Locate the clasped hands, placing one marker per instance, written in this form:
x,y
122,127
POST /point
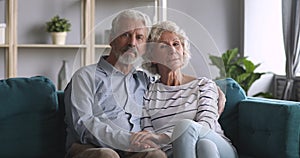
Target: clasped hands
x,y
146,140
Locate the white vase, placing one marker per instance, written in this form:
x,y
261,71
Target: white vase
x,y
59,38
2,33
62,79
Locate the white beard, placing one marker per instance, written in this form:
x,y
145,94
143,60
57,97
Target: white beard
x,y
128,58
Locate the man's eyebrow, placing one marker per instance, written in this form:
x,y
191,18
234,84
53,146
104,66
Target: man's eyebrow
x,y
140,34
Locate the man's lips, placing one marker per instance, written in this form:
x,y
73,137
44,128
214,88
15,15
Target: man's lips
x,y
130,52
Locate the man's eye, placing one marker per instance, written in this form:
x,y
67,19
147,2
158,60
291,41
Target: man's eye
x,y
140,37
125,35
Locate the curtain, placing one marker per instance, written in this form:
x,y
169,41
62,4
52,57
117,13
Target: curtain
x,y
291,27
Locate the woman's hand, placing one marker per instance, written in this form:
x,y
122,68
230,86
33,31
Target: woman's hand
x,y
147,140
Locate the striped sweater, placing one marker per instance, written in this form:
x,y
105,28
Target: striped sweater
x,y
165,105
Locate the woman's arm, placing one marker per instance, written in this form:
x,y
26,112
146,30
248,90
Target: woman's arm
x,y
207,110
221,101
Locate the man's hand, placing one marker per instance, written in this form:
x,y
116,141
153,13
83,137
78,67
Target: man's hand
x,y
221,101
143,140
146,140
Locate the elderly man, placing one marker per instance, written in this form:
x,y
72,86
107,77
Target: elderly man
x,y
104,101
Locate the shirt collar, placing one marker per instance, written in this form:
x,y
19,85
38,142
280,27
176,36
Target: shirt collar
x,y
109,69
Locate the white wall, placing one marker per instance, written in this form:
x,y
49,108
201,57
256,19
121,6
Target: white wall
x,y
2,11
221,19
228,24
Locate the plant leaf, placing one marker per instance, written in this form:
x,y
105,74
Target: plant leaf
x,y
249,66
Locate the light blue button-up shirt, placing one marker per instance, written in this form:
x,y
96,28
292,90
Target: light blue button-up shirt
x,y
103,105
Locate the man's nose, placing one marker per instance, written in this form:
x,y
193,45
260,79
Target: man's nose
x,y
132,41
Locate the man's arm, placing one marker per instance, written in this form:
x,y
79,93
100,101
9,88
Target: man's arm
x,y
80,100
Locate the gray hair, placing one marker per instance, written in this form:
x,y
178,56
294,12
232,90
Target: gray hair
x,y
131,14
155,34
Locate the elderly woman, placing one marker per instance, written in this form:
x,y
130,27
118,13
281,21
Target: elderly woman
x,y
181,110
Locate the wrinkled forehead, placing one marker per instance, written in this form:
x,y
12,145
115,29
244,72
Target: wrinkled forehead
x,y
167,36
129,24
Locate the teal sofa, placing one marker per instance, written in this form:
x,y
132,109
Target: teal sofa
x,y
259,127
32,121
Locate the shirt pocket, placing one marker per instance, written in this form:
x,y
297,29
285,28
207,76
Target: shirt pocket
x,y
107,106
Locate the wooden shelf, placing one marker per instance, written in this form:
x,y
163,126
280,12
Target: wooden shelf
x,y
103,46
4,46
50,46
87,34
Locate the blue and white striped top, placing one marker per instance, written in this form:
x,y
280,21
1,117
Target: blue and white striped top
x,y
165,105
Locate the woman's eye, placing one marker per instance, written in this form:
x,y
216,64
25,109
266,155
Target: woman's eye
x,y
175,44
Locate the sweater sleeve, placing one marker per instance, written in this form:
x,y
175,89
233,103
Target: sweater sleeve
x,y
146,123
207,110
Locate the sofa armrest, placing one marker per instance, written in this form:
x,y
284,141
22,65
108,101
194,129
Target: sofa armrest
x,y
60,96
61,117
268,128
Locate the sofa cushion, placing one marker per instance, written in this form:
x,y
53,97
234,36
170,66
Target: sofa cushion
x,y
29,118
268,124
229,118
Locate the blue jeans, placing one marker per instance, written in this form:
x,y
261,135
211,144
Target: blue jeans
x,y
192,140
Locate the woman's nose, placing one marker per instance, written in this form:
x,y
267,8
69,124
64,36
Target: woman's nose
x,y
171,50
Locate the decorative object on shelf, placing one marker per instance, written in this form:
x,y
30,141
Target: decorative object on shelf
x,y
2,33
232,65
62,79
58,27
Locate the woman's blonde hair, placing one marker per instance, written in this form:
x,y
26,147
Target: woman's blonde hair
x,y
155,34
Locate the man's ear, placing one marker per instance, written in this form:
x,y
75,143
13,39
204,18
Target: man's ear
x,y
110,39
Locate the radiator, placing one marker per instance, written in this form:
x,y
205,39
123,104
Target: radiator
x,y
279,83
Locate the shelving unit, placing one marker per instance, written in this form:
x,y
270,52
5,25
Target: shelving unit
x,y
49,46
87,45
3,45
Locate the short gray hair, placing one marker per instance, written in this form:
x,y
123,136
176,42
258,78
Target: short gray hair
x,y
131,14
155,34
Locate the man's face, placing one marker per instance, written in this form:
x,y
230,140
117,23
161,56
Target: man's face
x,y
130,41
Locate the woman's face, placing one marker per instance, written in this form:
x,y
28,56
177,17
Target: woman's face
x,y
168,51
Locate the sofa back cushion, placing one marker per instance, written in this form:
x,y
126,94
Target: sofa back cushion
x,y
229,118
29,118
269,128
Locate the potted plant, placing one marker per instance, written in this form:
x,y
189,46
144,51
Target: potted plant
x,y
58,27
241,69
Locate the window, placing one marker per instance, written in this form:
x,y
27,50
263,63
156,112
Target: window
x,y
263,38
